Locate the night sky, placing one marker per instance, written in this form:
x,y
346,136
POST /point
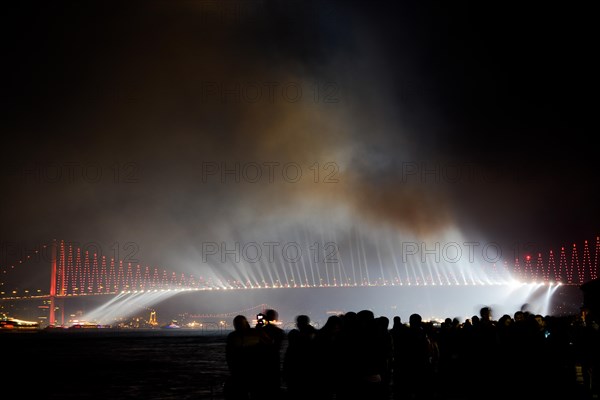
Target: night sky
x,y
407,117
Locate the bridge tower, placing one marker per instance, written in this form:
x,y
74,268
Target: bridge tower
x,y
52,282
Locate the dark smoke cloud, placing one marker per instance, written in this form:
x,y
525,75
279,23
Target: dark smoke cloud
x,y
148,91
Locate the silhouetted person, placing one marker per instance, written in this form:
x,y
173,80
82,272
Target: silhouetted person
x,y
298,363
269,360
397,324
328,358
398,333
385,351
242,350
415,361
361,357
484,358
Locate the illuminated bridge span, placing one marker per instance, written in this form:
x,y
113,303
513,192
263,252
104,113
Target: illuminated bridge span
x,y
80,273
75,273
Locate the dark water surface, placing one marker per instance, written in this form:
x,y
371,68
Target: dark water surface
x,y
157,364
163,364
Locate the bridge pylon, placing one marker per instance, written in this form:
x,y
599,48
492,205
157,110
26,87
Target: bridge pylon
x,y
53,251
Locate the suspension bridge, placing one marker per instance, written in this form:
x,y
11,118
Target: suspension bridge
x,y
78,272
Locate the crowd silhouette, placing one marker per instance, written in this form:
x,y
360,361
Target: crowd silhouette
x,y
357,355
